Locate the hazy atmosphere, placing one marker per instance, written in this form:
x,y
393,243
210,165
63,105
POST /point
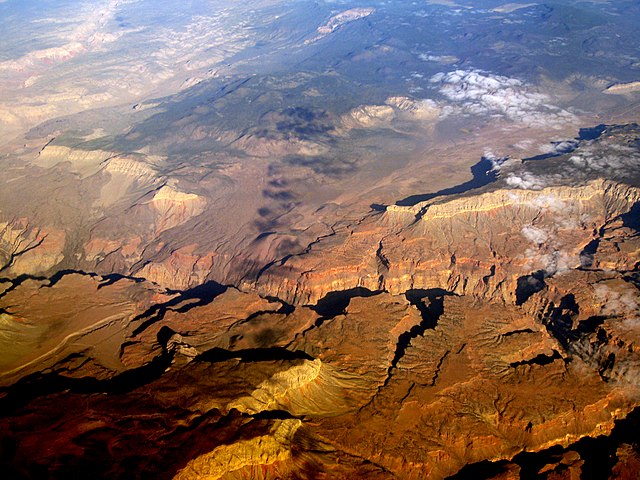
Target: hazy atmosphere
x,y
319,239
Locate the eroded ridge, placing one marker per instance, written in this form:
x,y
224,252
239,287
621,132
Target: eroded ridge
x,y
494,331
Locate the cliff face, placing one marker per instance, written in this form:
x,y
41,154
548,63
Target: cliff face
x,y
29,249
478,245
375,385
319,240
492,333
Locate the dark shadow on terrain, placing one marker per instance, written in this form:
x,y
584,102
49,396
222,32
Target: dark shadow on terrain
x,y
264,235
17,281
562,148
588,252
631,219
329,166
252,355
598,453
559,321
114,277
135,437
282,195
591,133
305,122
336,303
204,294
286,308
480,470
279,261
13,256
273,415
540,359
56,277
53,279
586,340
528,285
483,174
37,385
633,278
430,314
590,324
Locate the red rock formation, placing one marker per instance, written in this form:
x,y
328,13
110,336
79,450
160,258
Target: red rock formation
x,y
476,245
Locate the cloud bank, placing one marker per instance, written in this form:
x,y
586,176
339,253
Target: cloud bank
x,y
604,158
620,303
476,92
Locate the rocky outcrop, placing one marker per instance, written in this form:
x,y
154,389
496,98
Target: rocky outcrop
x,y
477,245
127,175
395,109
46,322
174,207
339,20
623,88
505,376
418,109
489,331
84,162
259,452
369,116
364,386
183,269
27,249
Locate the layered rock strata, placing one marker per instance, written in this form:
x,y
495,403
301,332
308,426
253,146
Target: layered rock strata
x,y
479,245
491,334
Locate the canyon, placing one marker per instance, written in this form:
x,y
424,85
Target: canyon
x,y
514,308
319,240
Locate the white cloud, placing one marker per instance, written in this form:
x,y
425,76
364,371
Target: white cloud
x,y
623,302
550,202
496,161
553,219
475,92
552,261
559,147
612,159
525,181
534,234
603,158
446,59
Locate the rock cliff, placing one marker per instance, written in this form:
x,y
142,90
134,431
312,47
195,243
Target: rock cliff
x,y
479,245
488,333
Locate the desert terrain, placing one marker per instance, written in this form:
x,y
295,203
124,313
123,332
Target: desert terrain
x,y
281,239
